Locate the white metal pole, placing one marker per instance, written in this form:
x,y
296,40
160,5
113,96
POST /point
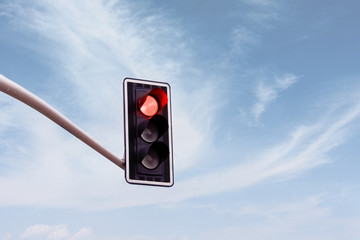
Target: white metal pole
x,y
16,91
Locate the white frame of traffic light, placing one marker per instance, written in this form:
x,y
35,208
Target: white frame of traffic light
x,y
126,132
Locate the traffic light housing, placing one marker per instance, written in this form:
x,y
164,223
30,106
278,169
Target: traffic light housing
x,y
148,133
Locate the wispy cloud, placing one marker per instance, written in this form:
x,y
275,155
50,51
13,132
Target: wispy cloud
x,y
94,47
100,44
277,220
263,11
258,19
242,38
307,148
268,92
260,3
288,220
55,232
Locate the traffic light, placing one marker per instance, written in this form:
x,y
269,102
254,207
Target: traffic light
x,y
148,133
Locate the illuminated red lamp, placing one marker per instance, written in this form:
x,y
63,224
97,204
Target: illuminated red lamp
x,y
153,102
148,106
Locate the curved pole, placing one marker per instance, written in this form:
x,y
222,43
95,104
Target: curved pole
x,y
16,91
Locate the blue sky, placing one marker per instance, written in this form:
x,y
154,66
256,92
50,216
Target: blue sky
x,y
266,107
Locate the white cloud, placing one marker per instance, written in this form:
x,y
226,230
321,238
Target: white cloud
x,y
46,232
7,236
73,184
97,44
84,233
242,38
307,148
55,232
96,53
260,3
277,220
307,218
263,11
259,18
93,52
268,92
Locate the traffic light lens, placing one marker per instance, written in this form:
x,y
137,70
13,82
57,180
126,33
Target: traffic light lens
x,y
160,97
150,133
149,106
151,159
155,128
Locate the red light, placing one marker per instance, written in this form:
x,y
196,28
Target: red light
x,y
160,97
148,106
153,102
